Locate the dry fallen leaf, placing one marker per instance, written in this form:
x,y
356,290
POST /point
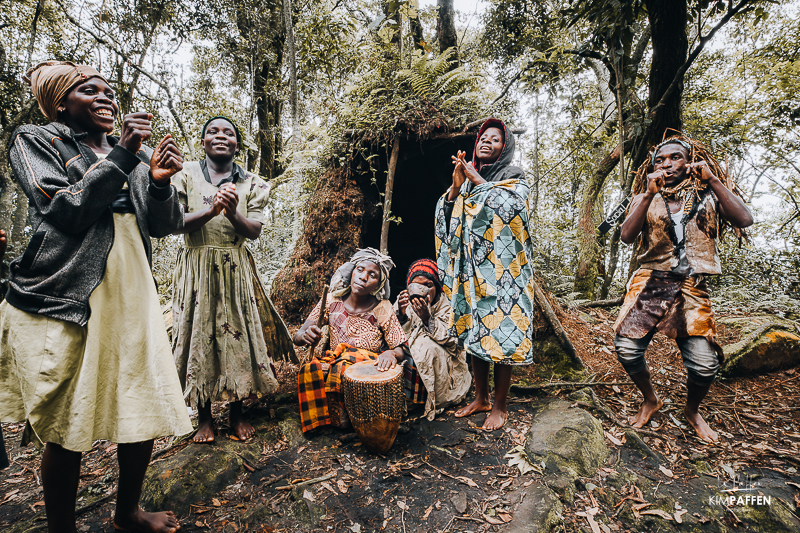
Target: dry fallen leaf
x,y
215,502
467,480
492,520
199,524
505,517
308,495
666,471
517,457
657,512
614,440
427,512
589,515
328,486
677,514
342,486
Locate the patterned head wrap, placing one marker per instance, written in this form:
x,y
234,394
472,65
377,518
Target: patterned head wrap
x,y
340,282
52,80
670,141
427,269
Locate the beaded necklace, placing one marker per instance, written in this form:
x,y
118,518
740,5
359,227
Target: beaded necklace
x,y
690,191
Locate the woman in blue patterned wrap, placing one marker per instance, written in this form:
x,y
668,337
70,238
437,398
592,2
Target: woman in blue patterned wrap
x,y
484,252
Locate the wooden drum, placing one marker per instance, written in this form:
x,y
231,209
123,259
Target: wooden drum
x,y
375,403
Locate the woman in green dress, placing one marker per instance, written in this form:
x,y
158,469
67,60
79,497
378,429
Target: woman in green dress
x,y
218,339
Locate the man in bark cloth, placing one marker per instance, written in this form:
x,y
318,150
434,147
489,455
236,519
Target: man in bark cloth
x,y
684,203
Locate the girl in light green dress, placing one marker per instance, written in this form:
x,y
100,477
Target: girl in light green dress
x,y
219,335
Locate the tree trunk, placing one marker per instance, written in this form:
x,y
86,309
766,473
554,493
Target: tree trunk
x,y
668,19
535,164
287,14
32,42
387,204
268,114
125,100
12,199
588,250
446,28
416,27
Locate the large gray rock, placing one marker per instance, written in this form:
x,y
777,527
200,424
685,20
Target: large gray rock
x,y
539,510
767,344
567,439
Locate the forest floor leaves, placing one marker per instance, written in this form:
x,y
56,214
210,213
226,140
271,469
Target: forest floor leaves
x,y
437,469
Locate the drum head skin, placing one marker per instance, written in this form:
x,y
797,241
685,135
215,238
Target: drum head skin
x,y
366,371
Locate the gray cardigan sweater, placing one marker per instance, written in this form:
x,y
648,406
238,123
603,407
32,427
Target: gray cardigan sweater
x,y
70,212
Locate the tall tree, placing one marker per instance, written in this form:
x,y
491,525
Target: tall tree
x,y
446,28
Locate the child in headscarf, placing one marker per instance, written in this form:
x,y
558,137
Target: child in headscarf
x,y
484,250
362,327
439,359
84,353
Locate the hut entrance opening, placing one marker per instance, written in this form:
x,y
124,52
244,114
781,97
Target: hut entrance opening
x,y
424,172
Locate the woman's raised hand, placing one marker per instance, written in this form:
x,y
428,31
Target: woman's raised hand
x,y
470,171
459,177
136,129
167,160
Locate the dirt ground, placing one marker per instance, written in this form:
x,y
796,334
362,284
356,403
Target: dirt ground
x,y
447,475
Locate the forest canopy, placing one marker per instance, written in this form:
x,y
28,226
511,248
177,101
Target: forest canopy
x,y
595,84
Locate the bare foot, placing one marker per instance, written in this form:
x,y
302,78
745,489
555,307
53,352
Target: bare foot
x,y
142,522
646,411
706,434
495,420
205,432
475,407
242,428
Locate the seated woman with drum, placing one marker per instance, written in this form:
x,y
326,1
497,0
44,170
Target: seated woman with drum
x,y
426,318
362,327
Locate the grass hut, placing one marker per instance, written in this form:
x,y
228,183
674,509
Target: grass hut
x,y
392,156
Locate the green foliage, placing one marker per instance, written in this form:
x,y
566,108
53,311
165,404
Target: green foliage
x,y
430,94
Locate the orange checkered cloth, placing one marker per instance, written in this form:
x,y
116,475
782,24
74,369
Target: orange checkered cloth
x,y
315,391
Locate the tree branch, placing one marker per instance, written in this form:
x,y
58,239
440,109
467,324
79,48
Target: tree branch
x,y
509,84
163,86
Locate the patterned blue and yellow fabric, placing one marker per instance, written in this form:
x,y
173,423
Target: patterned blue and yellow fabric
x,y
485,256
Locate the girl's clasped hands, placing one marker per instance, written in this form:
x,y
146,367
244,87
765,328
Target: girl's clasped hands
x,y
226,200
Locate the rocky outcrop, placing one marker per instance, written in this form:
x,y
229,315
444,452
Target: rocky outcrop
x,y
568,440
538,510
195,473
767,344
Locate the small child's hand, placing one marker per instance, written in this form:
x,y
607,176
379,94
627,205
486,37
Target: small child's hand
x,y
402,302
